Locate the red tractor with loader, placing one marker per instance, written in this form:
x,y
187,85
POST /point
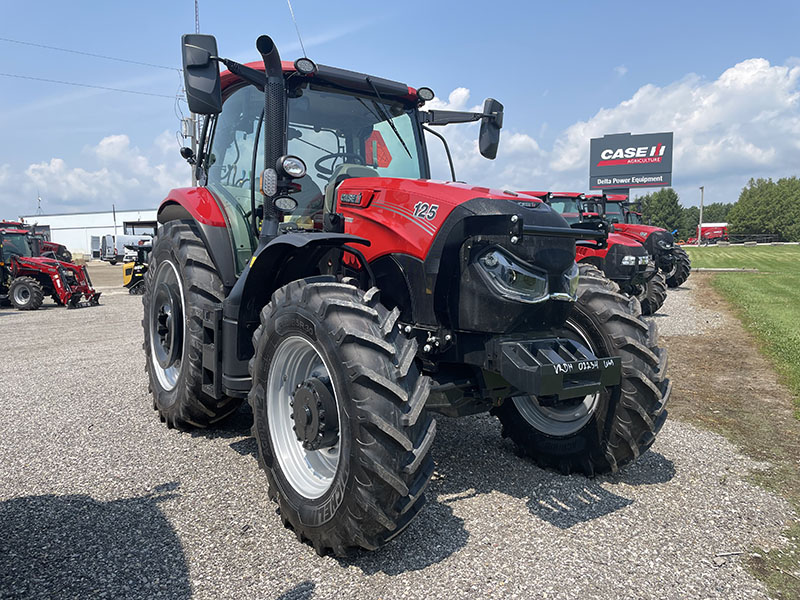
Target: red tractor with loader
x,y
671,259
319,272
622,260
25,278
40,245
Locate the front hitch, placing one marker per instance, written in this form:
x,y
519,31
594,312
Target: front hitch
x,y
553,369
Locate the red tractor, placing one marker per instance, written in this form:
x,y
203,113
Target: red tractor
x,y
623,260
25,279
317,271
40,246
671,259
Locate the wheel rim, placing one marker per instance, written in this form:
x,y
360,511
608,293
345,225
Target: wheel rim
x,y
167,325
22,295
564,419
309,472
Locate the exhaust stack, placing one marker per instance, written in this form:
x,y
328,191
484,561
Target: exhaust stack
x,y
274,123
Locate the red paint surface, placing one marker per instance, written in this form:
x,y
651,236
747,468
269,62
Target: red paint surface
x,y
200,203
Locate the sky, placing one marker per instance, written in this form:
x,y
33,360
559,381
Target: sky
x,y
725,77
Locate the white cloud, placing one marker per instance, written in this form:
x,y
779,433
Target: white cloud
x,y
621,70
118,173
744,124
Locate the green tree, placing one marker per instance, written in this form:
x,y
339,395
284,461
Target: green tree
x,y
716,212
662,209
767,206
689,220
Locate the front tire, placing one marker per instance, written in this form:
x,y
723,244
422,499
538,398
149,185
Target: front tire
x,y
181,283
653,294
352,470
681,269
26,293
602,432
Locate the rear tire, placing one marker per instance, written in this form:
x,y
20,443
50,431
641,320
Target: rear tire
x,y
181,283
603,432
653,294
365,483
26,293
683,267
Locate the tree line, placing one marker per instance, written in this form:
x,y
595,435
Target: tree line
x,y
764,206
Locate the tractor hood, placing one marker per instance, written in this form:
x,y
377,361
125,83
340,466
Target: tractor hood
x,y
442,192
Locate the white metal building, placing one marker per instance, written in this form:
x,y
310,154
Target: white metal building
x,y
82,232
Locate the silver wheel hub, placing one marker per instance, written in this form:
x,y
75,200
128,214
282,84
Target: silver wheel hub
x,y
303,416
22,295
564,418
167,325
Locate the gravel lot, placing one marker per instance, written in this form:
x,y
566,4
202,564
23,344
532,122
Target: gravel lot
x,y
99,499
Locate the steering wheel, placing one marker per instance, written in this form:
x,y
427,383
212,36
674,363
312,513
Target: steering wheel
x,y
359,160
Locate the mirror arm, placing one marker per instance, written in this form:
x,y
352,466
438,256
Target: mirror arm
x,y
446,117
251,76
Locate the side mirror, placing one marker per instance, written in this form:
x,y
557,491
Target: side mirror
x,y
491,123
201,73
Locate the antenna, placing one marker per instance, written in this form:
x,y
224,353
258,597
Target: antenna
x,y
302,47
39,199
196,16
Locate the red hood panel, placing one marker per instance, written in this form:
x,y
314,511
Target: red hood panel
x,y
404,215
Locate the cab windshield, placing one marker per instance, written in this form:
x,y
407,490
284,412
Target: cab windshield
x,y
633,218
16,243
614,212
338,134
568,208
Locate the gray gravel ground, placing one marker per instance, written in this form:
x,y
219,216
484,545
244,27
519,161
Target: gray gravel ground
x,y
99,499
681,313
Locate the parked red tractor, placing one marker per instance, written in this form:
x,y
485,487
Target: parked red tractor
x,y
40,245
671,259
319,272
621,259
25,279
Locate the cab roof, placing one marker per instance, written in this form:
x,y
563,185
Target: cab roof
x,y
336,76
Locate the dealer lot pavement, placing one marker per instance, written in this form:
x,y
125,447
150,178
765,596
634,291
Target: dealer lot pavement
x,y
99,499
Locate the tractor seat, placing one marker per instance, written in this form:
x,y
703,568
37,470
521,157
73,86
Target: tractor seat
x,y
340,173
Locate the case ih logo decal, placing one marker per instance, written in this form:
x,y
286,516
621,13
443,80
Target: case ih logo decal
x,y
625,161
632,156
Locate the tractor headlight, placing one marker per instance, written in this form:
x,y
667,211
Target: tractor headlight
x,y
511,279
571,280
645,260
629,260
291,166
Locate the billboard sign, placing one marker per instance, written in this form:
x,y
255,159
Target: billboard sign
x,y
623,160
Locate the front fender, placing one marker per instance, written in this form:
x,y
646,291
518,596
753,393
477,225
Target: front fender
x,y
275,263
200,206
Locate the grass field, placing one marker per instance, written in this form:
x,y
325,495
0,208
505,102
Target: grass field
x,y
768,302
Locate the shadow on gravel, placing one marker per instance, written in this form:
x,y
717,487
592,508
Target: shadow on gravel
x,y
78,547
491,464
302,591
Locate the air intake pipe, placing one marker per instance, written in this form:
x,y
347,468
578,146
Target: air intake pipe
x,y
274,123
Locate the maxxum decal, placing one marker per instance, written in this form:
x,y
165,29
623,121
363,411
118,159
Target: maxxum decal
x,y
421,221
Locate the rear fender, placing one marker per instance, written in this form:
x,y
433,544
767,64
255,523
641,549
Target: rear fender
x,y
275,263
200,206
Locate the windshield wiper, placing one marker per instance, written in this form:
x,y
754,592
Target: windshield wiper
x,y
385,116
